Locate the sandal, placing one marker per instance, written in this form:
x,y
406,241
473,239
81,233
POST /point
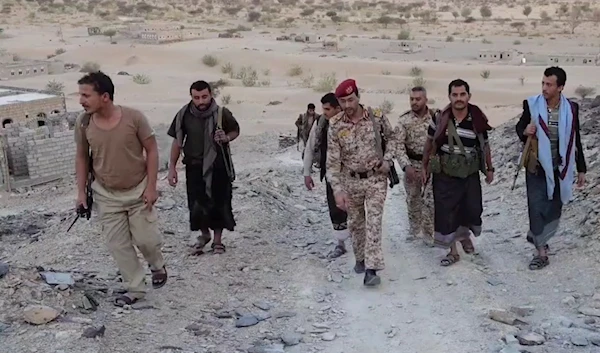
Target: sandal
x,y
200,244
337,252
539,262
467,246
218,248
124,299
450,259
159,277
530,240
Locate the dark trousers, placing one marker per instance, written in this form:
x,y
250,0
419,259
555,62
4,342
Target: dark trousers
x,y
339,218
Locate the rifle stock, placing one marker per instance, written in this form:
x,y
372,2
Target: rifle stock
x,y
524,157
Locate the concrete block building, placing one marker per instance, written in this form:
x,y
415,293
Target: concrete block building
x,y
21,69
30,107
164,34
36,137
495,55
405,46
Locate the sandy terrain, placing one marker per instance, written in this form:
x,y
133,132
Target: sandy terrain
x,y
276,254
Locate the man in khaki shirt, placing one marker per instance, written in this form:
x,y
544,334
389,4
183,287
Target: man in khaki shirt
x,y
412,134
124,184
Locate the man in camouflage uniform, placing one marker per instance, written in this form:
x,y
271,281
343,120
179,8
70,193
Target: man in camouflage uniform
x,y
304,123
412,134
358,175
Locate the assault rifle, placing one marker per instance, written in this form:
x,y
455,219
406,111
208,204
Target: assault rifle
x,y
524,157
522,160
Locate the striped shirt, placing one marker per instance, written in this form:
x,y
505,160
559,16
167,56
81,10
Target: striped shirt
x,y
465,133
553,129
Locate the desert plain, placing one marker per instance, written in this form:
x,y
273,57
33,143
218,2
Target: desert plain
x,y
275,269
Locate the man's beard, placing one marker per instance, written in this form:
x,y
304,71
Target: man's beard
x,y
203,107
418,109
455,105
349,111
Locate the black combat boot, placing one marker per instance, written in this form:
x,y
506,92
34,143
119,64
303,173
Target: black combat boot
x,y
359,267
371,278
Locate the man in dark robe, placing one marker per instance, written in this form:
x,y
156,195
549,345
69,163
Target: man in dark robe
x,y
203,130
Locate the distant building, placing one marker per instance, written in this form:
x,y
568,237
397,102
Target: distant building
x,y
21,69
19,105
574,60
494,55
94,31
308,38
405,46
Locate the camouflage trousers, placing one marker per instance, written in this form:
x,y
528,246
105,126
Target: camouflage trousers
x,y
365,217
420,208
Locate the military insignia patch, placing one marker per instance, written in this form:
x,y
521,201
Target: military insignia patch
x,y
377,112
343,134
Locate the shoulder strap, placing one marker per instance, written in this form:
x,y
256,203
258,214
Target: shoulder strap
x,y
377,132
220,118
453,135
85,122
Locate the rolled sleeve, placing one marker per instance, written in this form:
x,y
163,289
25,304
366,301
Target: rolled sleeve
x,y
391,148
401,155
334,161
309,150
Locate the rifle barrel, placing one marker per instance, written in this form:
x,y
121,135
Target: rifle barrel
x,y
73,223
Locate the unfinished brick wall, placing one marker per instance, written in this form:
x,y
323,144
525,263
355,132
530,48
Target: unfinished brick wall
x,y
25,111
3,166
38,154
51,156
17,147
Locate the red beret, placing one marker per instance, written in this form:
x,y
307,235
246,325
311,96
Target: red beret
x,y
346,88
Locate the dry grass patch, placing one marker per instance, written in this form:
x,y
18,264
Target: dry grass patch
x,y
326,83
585,92
141,79
55,87
386,107
295,70
90,67
210,60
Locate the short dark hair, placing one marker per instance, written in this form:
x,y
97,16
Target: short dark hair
x,y
101,83
200,86
459,83
311,106
419,89
331,99
561,75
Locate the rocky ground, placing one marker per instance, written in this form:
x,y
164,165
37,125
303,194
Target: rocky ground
x,y
274,291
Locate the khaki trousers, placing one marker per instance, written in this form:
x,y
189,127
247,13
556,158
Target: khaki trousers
x,y
365,218
126,222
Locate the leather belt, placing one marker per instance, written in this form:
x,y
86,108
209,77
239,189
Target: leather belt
x,y
414,156
362,175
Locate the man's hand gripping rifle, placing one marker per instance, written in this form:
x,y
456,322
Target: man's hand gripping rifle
x,y
82,211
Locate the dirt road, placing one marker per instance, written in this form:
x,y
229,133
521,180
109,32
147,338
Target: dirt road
x,y
275,279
